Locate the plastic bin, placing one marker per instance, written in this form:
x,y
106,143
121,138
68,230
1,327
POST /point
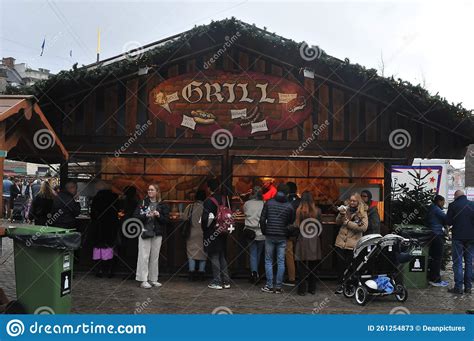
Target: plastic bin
x,y
44,258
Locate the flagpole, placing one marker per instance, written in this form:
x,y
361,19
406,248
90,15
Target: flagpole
x,y
98,44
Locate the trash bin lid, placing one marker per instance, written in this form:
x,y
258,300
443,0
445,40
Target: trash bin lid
x,y
34,229
46,236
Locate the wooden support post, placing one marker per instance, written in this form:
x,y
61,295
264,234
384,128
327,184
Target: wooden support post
x,y
387,195
63,173
2,161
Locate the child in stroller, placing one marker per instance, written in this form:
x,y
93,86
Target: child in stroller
x,y
374,268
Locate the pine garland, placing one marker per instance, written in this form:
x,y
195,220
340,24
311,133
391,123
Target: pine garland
x,y
354,75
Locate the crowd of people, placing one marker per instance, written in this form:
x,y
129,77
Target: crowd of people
x,y
272,230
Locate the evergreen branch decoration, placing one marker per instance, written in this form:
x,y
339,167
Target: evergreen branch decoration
x,y
354,75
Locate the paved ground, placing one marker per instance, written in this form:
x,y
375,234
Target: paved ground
x,y
93,295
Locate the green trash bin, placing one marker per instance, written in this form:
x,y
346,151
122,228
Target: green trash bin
x,y
44,257
415,272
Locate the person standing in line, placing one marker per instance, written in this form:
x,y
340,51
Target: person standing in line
x,y
154,214
7,185
215,240
372,213
253,210
277,216
195,243
308,244
353,221
42,204
294,200
461,217
105,227
436,220
65,207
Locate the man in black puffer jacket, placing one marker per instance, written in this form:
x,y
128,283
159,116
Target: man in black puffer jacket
x,y
65,207
277,215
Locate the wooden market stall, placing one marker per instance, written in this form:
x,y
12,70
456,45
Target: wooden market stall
x,y
233,101
26,134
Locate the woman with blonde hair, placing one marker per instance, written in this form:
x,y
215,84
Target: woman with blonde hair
x,y
354,222
154,214
42,205
308,244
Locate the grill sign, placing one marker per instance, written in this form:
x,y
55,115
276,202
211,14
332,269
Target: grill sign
x,y
247,104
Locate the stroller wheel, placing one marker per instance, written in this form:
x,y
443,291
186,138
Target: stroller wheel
x,y
361,295
349,290
401,293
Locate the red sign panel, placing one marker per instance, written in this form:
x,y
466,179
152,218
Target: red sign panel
x,y
246,104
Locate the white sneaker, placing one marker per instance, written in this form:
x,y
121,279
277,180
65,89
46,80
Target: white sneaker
x,y
145,285
156,284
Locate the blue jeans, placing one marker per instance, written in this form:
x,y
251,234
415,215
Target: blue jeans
x,y
270,247
255,249
192,264
462,249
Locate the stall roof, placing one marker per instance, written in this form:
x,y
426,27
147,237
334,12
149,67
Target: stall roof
x,y
28,134
407,99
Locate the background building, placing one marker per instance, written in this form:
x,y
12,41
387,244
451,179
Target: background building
x,y
19,74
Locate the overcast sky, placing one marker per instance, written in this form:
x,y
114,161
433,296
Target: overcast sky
x,y
423,42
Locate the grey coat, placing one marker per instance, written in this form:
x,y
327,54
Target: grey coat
x,y
194,245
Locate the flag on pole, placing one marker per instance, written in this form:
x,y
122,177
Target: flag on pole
x,y
42,46
70,53
98,43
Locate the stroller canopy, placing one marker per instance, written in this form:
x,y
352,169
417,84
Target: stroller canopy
x,y
366,241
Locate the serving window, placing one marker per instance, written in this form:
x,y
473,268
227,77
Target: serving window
x,y
178,177
330,181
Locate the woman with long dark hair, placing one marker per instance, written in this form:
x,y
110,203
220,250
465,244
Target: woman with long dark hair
x,y
105,225
308,244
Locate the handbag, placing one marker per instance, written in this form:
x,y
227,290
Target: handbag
x,y
249,233
186,225
292,231
147,234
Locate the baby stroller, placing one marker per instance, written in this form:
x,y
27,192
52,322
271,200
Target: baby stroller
x,y
374,268
19,207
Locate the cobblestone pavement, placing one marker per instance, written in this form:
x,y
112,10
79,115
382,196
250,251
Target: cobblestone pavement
x,y
93,295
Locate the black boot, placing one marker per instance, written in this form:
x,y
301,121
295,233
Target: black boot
x,y
254,278
201,276
191,276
